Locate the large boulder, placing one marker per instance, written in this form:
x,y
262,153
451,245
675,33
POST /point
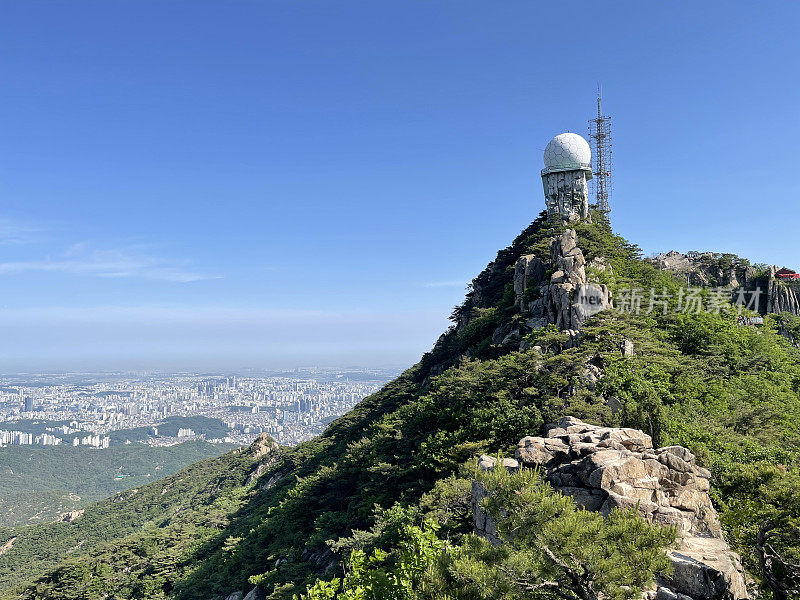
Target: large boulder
x,y
603,468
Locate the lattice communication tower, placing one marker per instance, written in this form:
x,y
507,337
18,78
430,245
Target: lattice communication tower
x,y
602,152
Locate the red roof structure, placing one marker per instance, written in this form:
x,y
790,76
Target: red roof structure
x,y
785,273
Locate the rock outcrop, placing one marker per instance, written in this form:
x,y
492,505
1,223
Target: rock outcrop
x,y
782,296
263,445
566,299
707,269
69,517
528,272
548,290
267,451
604,468
7,546
712,270
256,594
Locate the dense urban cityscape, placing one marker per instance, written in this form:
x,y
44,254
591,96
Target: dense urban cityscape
x,y
102,410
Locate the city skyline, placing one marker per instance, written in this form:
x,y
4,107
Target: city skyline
x,y
167,409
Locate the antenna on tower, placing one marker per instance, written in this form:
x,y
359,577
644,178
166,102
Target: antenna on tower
x,y
600,134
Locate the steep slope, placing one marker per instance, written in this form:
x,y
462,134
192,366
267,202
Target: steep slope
x,y
511,363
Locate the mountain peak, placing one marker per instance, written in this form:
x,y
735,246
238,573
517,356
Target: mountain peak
x,y
548,329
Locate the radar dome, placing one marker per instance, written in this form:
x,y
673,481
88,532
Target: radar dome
x,y
567,152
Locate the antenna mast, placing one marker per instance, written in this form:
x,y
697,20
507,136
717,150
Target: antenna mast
x,y
600,133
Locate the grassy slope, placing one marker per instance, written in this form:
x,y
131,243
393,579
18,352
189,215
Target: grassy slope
x,y
729,393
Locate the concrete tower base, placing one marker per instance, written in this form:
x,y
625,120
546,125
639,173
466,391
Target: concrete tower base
x,y
566,195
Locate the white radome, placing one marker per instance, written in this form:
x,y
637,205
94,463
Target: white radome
x,y
566,152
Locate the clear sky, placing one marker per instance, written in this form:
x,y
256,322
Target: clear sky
x,y
278,183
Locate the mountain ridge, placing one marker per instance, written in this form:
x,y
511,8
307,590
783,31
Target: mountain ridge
x,y
727,392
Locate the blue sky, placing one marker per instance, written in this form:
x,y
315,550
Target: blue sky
x,y
278,183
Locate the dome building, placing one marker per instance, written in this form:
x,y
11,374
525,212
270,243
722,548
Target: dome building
x,y
567,168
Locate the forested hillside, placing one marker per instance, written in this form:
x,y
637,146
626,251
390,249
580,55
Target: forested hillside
x,y
41,483
181,508
386,488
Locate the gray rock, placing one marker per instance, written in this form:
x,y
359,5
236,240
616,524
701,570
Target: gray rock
x,y
626,347
256,594
488,463
632,439
675,462
599,264
263,445
533,451
69,517
705,569
698,270
563,244
536,323
591,374
589,499
482,522
680,452
500,333
567,299
666,594
605,468
528,272
566,422
235,596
